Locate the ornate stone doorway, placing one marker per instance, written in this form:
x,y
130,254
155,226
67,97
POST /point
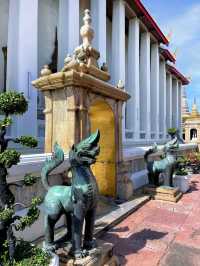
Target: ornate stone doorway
x,y
101,117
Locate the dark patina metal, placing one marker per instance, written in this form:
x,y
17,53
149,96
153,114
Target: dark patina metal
x,y
165,165
78,201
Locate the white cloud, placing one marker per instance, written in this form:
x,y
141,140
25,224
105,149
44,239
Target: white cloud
x,y
186,37
185,27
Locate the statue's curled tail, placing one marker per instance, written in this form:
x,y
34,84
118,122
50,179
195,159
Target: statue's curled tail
x,y
51,164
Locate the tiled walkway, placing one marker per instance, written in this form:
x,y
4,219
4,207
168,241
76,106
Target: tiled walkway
x,y
161,233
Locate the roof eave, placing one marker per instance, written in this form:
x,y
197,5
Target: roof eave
x,y
155,28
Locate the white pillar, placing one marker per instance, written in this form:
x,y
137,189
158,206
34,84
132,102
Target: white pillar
x,y
162,100
12,58
175,103
118,49
98,12
118,42
169,100
180,106
68,29
155,90
133,86
145,117
23,60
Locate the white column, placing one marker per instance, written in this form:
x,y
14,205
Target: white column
x,y
98,12
68,29
23,66
118,49
133,86
162,100
180,106
155,90
118,42
175,103
169,100
145,117
12,59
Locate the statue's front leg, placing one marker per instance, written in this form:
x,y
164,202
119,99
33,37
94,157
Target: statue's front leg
x,y
49,233
77,228
171,177
89,242
69,221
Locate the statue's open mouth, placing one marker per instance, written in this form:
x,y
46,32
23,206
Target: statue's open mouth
x,y
87,150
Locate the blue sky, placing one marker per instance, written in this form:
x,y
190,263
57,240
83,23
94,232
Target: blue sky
x,y
182,18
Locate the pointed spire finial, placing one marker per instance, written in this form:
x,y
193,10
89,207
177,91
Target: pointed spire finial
x,y
87,32
45,71
169,35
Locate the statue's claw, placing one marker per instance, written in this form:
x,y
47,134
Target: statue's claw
x,y
79,254
49,248
90,244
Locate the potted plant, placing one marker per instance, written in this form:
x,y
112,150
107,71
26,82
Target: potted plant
x,y
193,162
13,251
181,176
172,132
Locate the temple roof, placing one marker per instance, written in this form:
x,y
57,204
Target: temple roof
x,y
150,23
167,54
173,70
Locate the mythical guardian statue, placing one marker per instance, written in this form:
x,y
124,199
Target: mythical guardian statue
x,y
78,201
165,165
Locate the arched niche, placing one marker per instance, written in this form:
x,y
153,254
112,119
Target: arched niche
x,y
101,117
193,133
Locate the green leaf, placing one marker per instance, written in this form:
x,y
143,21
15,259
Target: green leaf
x,y
9,157
28,141
13,102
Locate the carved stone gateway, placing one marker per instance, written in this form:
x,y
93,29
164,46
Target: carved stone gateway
x,y
78,100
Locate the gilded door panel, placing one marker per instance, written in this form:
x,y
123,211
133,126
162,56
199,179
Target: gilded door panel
x,y
102,117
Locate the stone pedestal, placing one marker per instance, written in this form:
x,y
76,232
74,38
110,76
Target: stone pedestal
x,y
100,256
165,193
78,101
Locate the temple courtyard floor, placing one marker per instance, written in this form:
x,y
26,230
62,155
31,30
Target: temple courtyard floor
x,y
161,233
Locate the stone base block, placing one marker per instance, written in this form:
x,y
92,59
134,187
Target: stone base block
x,y
100,256
165,193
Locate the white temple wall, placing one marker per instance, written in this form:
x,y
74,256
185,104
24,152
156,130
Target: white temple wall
x,y
109,43
47,24
4,10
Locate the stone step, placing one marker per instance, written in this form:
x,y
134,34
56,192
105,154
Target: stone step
x,y
116,216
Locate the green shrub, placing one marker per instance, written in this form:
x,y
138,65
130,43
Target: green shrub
x,y
27,141
6,214
30,179
181,172
26,255
172,131
9,157
13,102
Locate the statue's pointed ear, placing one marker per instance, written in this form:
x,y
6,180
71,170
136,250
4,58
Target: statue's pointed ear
x,y
73,147
94,138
